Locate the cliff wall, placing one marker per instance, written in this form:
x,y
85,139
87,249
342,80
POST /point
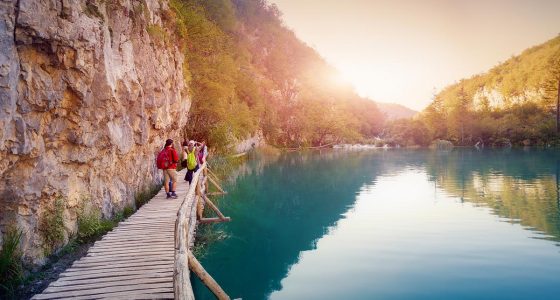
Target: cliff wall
x,y
89,92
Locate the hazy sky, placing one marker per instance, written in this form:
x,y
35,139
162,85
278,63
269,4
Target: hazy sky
x,y
399,51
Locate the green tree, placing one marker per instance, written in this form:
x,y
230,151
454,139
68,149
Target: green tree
x,y
459,117
552,85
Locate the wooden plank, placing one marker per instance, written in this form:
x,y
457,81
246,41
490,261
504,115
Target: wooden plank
x,y
115,283
144,294
147,226
150,225
114,262
126,258
143,230
141,297
127,250
133,241
115,274
131,227
143,245
69,281
133,245
139,237
137,249
129,243
104,272
139,234
105,292
117,247
113,265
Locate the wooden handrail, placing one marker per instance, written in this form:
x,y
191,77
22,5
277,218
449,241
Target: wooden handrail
x,y
186,220
181,276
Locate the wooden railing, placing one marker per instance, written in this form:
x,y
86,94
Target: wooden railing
x,y
191,209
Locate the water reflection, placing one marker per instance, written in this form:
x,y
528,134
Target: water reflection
x,y
519,185
298,217
280,211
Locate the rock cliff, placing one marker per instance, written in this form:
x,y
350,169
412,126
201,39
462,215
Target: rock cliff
x,y
88,96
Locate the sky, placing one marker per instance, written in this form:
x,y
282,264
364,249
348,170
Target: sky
x,y
403,51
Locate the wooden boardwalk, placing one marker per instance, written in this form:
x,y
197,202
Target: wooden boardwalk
x,y
134,261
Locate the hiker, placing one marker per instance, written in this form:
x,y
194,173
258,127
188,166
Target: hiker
x,y
202,152
192,162
184,147
167,160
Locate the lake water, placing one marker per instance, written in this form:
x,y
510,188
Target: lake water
x,y
397,224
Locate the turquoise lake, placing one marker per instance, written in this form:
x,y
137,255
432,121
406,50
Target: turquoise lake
x,y
390,224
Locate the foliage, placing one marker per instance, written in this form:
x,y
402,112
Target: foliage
x,y
52,225
249,72
11,267
206,234
146,194
127,212
91,225
92,10
158,34
441,145
408,132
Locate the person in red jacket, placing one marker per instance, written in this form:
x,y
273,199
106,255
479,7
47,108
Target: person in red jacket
x,y
171,172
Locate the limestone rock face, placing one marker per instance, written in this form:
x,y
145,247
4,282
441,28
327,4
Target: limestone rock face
x,y
88,98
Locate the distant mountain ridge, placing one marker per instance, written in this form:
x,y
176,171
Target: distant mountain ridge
x,y
395,111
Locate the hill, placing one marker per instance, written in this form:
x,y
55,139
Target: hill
x,y
395,111
250,73
514,102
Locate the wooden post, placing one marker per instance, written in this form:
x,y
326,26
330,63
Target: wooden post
x,y
206,180
197,268
216,193
558,108
199,204
211,173
216,184
214,207
214,220
214,177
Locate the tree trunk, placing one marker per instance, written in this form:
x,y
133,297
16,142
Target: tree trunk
x,y
558,109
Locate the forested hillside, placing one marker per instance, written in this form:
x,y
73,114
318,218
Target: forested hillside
x,y
395,111
515,102
248,72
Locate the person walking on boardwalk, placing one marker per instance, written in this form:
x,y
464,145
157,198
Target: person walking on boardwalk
x,y
167,161
192,161
184,147
202,152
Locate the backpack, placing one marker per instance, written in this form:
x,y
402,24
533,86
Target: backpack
x,y
191,160
163,161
